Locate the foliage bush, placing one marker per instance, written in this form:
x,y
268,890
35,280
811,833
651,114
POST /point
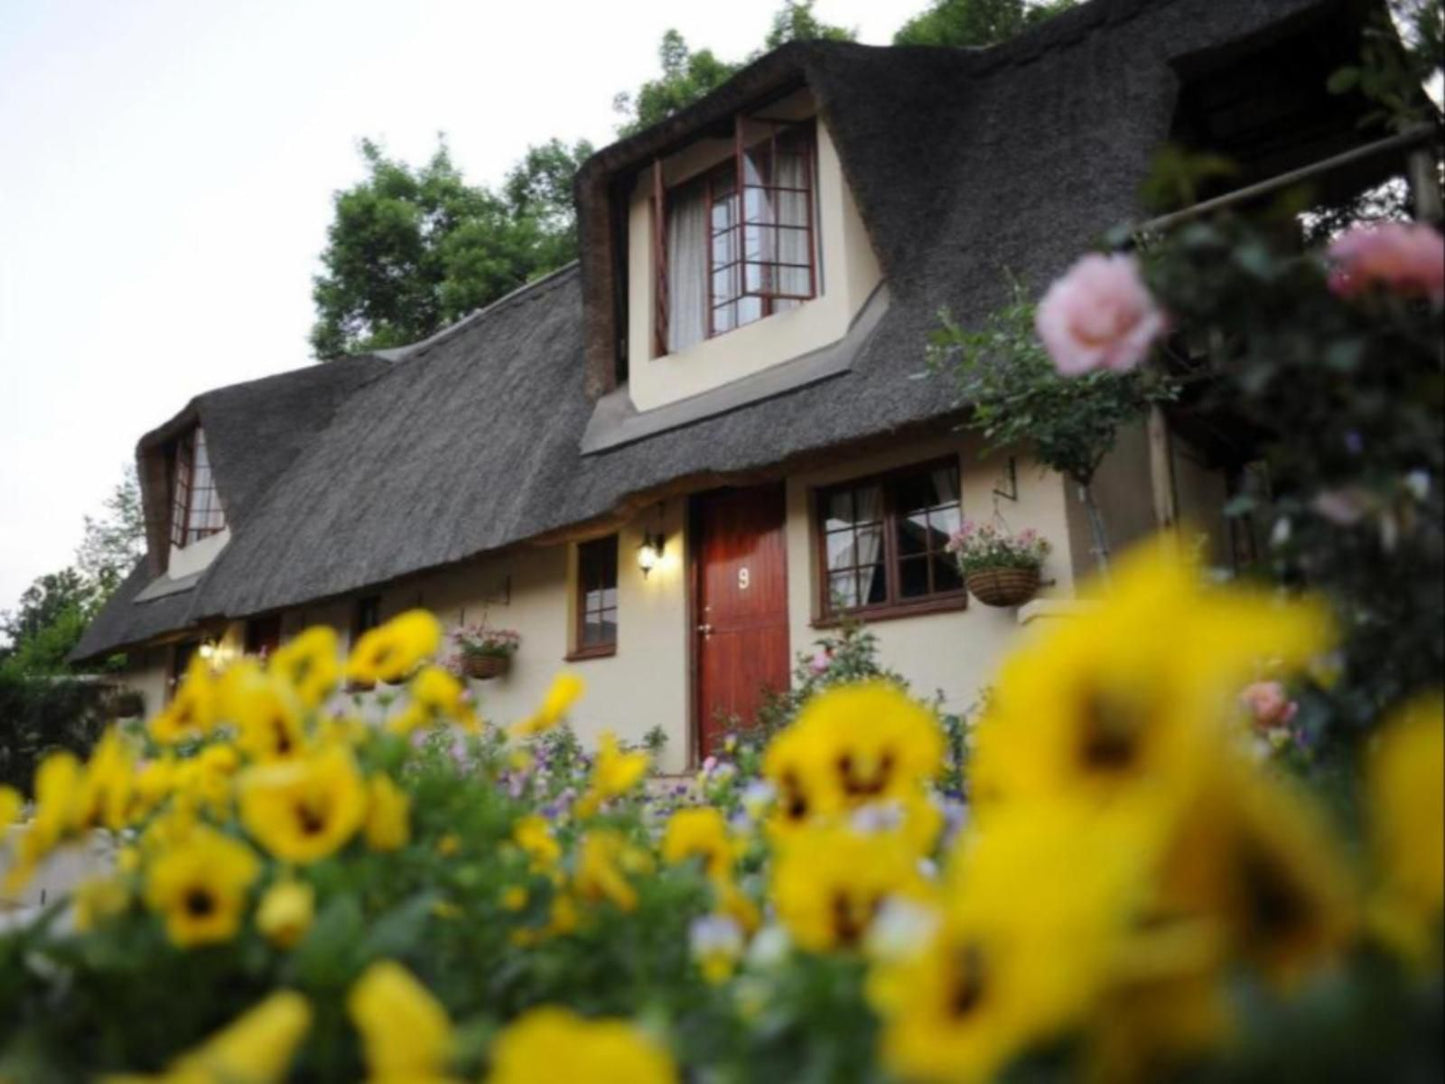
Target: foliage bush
x,y
39,715
301,895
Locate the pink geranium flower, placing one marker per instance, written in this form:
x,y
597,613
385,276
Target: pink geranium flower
x,y
1407,258
1099,315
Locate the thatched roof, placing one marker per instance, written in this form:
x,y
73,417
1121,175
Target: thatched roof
x,y
963,163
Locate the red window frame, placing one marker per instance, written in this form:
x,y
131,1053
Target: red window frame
x,y
194,493
894,603
732,172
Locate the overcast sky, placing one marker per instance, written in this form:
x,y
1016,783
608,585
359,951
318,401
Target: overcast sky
x,y
166,171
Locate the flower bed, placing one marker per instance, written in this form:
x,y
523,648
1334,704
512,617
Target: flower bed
x,y
299,895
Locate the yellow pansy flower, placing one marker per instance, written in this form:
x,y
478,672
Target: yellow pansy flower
x,y
266,711
98,898
1405,794
603,857
388,811
391,651
533,835
614,773
304,809
551,1044
435,697
309,664
1038,906
405,1032
514,898
200,886
1255,855
700,832
1129,695
732,901
256,1048
10,805
57,789
192,711
285,912
828,883
103,800
565,690
151,785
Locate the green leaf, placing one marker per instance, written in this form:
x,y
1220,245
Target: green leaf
x,y
400,929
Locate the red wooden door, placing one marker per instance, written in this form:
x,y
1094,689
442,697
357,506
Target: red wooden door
x,y
741,603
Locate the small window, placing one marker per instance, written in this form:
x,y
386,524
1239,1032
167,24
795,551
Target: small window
x,y
181,656
736,244
196,511
263,635
883,541
596,598
366,616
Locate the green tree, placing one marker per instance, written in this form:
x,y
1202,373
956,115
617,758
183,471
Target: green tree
x,y
688,75
963,23
411,249
52,614
795,21
114,541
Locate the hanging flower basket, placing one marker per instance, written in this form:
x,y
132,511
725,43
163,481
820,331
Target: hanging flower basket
x,y
486,667
1000,569
1003,586
355,685
482,652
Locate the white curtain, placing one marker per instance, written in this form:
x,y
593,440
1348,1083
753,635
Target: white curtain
x,y
687,242
870,540
791,209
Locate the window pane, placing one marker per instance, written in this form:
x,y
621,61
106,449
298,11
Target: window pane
x,y
946,576
913,577
840,549
792,208
597,603
839,511
843,590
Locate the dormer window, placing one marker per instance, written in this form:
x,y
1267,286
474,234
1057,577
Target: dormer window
x,y
196,511
736,243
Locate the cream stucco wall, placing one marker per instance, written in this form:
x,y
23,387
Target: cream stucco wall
x,y
187,560
954,652
1201,494
647,682
849,273
148,672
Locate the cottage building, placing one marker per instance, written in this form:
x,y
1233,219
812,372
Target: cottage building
x,y
670,465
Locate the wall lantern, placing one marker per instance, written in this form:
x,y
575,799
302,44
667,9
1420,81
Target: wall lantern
x,y
649,554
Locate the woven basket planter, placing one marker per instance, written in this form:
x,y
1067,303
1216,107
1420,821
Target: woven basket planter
x,y
1003,586
486,667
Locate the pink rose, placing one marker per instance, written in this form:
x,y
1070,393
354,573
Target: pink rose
x,y
1405,257
1268,705
820,662
1099,315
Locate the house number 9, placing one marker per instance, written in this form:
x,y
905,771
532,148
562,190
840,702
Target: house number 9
x,y
743,578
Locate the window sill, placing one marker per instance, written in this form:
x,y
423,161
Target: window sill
x,y
946,604
601,651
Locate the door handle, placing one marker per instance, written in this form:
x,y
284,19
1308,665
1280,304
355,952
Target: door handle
x,y
705,629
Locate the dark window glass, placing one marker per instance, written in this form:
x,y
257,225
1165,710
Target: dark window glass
x,y
367,615
597,594
883,538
